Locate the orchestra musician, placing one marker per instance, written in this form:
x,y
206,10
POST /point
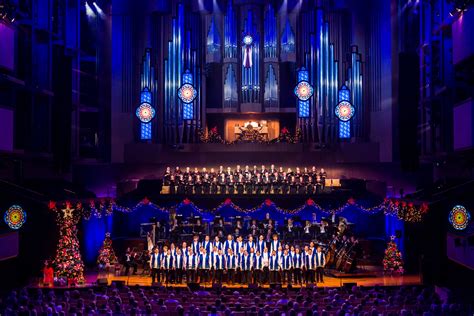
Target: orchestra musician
x,y
130,261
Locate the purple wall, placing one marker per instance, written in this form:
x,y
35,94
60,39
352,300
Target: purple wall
x,y
463,130
463,37
9,245
6,128
7,46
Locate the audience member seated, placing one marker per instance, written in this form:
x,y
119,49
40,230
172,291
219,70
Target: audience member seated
x,y
182,301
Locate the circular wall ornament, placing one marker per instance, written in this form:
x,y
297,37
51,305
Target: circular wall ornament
x,y
459,217
145,112
187,93
303,90
344,111
248,40
15,217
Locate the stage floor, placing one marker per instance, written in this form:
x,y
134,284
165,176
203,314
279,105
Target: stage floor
x,y
378,279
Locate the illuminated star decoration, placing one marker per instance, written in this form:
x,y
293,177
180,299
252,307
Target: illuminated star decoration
x,y
303,90
15,217
459,217
68,212
145,112
344,111
187,93
392,237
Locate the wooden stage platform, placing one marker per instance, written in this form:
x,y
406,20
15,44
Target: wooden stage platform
x,y
375,280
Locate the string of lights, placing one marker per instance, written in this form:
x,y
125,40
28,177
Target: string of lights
x,y
406,211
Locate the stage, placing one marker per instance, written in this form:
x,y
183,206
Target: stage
x,y
377,278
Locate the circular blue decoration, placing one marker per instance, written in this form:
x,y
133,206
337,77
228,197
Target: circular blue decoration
x,y
459,217
303,90
248,40
15,217
187,93
344,111
145,112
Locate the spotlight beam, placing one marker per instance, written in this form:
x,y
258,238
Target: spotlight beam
x,y
89,12
99,10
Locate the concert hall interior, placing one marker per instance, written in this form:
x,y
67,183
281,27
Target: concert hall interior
x,y
231,157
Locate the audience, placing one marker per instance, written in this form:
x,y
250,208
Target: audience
x,y
221,301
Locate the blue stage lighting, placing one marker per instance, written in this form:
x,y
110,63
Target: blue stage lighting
x,y
99,10
89,12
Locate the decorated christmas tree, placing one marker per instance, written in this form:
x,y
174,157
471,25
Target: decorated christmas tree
x,y
106,252
392,261
68,262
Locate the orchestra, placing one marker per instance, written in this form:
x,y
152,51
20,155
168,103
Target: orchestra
x,y
245,181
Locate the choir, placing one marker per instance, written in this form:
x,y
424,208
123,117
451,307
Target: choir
x,y
245,181
236,261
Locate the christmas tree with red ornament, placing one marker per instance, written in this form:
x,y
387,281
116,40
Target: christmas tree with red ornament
x,y
106,252
68,262
392,261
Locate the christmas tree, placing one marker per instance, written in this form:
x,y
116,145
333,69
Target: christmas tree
x,y
68,262
106,252
392,261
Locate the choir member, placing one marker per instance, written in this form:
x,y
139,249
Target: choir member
x,y
218,265
168,266
192,264
310,266
204,266
274,267
320,264
231,265
155,265
257,268
286,265
179,266
298,264
246,264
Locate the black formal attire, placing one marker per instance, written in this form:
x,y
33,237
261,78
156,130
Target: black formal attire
x,y
130,261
